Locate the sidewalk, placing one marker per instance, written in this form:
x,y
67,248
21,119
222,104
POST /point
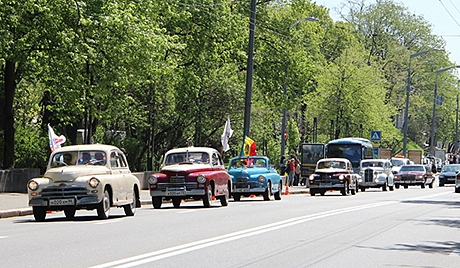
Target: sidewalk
x,y
17,204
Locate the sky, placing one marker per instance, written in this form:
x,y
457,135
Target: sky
x,y
443,15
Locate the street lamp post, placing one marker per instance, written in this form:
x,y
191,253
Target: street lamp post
x,y
283,122
406,111
432,146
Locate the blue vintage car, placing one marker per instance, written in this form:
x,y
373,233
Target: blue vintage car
x,y
253,175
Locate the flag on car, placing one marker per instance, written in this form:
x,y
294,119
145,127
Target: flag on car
x,y
228,131
55,141
249,147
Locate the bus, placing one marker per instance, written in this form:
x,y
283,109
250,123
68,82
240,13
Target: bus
x,y
354,149
310,154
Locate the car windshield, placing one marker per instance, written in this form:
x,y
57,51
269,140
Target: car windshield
x,y
371,164
187,157
73,158
451,168
412,168
248,162
397,162
331,164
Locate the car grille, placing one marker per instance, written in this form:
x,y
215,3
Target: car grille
x,y
368,175
245,183
178,182
408,177
64,191
326,178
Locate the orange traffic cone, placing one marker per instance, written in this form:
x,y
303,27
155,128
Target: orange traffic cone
x,y
213,198
252,196
286,192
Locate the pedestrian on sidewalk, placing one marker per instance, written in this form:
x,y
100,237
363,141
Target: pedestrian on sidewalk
x,y
291,173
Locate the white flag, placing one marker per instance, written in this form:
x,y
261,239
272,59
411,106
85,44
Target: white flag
x,y
55,141
228,131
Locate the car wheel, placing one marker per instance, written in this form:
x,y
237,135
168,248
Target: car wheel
x,y
345,189
322,193
391,188
224,198
406,186
207,198
441,184
236,197
130,209
103,208
422,186
39,213
384,187
397,186
156,202
70,213
176,202
278,194
457,190
363,189
312,192
267,192
353,191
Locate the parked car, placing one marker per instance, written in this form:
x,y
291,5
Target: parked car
x,y
376,173
333,174
398,162
414,175
253,175
87,177
191,172
448,174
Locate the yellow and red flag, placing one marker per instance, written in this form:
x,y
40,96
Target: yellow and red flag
x,y
249,147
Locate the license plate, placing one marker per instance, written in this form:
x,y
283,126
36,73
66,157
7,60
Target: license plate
x,y
175,193
242,190
62,202
325,184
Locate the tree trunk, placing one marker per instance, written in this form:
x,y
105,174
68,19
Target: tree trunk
x,y
10,88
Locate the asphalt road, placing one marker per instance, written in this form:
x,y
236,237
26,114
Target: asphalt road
x,y
405,228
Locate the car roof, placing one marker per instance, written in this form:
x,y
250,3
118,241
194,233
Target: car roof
x,y
192,149
334,159
86,147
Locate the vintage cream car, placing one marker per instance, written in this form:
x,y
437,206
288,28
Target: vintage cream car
x,y
87,177
333,174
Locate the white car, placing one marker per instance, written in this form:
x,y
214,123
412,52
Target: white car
x,y
87,177
397,163
376,173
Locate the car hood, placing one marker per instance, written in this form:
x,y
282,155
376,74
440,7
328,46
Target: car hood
x,y
186,168
412,173
373,168
331,170
250,171
448,173
70,173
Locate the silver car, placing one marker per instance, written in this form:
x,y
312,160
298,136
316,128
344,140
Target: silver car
x,y
376,173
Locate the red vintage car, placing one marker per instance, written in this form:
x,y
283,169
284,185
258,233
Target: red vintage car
x,y
192,172
414,175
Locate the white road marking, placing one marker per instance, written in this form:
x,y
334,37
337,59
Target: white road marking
x,y
3,236
181,249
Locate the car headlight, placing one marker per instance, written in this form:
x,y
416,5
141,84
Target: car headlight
x,y
33,185
419,177
311,178
153,179
94,182
261,178
201,178
341,177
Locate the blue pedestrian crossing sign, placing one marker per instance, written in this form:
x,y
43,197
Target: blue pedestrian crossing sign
x,y
376,135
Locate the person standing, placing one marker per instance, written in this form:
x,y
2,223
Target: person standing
x,y
291,171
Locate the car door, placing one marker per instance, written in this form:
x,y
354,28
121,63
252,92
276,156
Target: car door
x,y
116,178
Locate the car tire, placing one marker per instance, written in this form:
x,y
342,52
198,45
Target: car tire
x,y
266,195
70,213
39,213
236,197
441,184
363,189
176,202
406,186
323,192
422,186
130,209
457,190
344,191
312,192
278,194
207,198
156,202
397,186
103,208
224,198
392,188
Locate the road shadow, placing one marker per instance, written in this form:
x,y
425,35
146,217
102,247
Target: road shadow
x,y
431,247
452,204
